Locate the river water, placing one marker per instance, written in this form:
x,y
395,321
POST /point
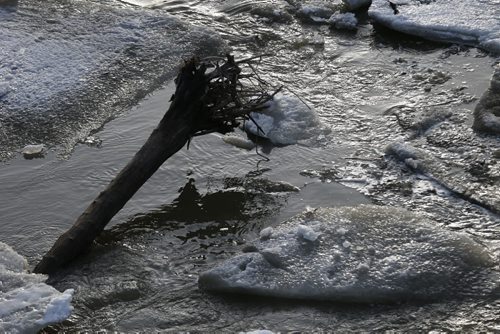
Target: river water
x,y
369,87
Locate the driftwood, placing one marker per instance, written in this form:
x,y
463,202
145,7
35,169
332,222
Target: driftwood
x,y
213,95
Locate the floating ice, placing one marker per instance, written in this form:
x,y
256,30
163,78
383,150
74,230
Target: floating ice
x,y
469,22
286,121
346,21
487,112
239,142
33,151
363,254
27,304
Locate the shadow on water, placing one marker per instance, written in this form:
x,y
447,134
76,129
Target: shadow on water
x,y
401,41
229,210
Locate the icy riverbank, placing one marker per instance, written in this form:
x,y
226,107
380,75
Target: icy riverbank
x,y
67,67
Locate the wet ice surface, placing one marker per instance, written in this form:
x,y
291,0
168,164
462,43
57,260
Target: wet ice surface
x,y
360,254
469,22
27,304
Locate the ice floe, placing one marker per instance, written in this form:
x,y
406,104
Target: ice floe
x,y
27,304
468,22
286,121
487,112
356,254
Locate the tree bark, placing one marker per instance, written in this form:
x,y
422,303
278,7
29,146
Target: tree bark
x,y
173,132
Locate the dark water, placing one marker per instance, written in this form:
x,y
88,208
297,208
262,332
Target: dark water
x,y
206,202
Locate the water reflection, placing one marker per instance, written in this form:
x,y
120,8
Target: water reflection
x,y
229,210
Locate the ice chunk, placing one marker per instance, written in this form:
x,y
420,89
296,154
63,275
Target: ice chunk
x,y
307,233
469,22
239,142
10,260
27,304
266,233
392,255
33,151
487,112
346,21
342,231
286,121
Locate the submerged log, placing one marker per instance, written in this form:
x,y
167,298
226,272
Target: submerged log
x,y
204,102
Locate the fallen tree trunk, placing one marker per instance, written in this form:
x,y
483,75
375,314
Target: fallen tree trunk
x,y
202,103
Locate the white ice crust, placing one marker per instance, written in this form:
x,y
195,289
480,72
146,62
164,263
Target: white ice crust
x,y
469,22
27,304
287,121
360,254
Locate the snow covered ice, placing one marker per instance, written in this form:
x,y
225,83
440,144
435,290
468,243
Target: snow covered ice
x,y
286,121
356,254
468,22
27,304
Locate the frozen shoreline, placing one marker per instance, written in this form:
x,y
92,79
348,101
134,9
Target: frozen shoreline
x,y
85,64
